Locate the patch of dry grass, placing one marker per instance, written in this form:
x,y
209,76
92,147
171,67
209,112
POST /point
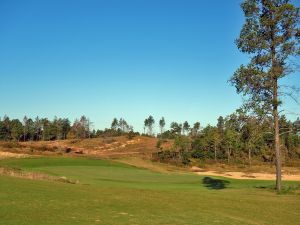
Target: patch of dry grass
x,y
15,172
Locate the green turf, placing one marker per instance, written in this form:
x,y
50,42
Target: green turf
x,y
114,193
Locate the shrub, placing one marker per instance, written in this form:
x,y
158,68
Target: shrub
x,y
158,144
185,158
131,135
198,154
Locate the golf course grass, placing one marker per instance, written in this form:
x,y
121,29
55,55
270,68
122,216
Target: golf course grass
x,y
115,193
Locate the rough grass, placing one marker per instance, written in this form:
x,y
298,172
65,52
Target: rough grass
x,y
114,193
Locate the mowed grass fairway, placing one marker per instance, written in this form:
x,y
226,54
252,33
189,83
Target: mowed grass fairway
x,y
115,193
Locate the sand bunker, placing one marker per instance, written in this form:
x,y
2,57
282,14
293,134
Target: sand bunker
x,y
244,176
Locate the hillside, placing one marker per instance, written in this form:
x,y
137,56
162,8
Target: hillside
x,y
110,147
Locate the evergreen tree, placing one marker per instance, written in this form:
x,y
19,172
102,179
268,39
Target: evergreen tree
x,y
271,36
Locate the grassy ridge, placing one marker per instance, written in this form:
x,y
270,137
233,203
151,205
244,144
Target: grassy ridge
x,y
115,193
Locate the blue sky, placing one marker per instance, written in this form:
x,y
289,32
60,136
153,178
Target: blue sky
x,y
120,58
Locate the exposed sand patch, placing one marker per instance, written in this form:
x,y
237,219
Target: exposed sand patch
x,y
4,155
246,176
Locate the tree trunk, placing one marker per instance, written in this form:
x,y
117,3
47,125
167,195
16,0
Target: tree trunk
x,y
275,108
275,112
228,155
215,154
249,156
277,141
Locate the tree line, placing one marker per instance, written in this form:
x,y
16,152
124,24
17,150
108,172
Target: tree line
x,y
236,137
43,129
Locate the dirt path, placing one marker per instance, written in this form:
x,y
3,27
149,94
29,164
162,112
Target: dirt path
x,y
249,176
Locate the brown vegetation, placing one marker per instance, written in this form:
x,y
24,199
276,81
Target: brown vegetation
x,y
13,172
107,147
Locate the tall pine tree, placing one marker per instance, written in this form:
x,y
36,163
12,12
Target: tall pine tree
x,y
271,37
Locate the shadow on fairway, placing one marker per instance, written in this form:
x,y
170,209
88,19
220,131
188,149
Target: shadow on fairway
x,y
216,184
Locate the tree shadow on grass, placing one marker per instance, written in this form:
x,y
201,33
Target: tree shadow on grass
x,y
215,184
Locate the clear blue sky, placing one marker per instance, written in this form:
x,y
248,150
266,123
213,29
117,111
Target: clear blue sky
x,y
121,58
